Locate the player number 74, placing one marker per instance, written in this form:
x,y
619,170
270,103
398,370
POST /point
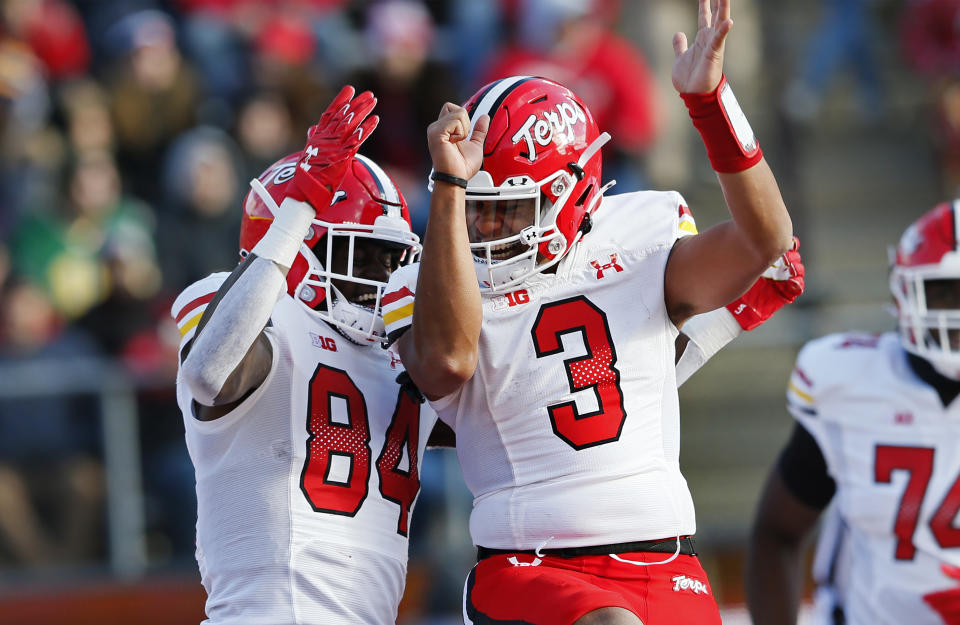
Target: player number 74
x,y
918,462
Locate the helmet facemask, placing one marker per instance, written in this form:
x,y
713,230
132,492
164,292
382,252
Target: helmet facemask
x,y
518,248
928,307
358,314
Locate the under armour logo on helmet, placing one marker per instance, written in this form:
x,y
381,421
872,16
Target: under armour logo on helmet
x,y
613,264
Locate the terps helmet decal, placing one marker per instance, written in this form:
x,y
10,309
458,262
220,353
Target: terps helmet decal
x,y
555,125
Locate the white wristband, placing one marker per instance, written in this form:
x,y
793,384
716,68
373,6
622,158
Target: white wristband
x,y
708,333
290,226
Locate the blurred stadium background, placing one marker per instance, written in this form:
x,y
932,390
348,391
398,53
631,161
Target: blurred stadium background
x,y
129,130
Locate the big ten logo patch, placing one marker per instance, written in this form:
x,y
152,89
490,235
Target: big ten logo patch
x,y
903,418
323,342
556,124
511,299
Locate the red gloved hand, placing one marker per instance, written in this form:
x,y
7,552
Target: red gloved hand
x,y
331,145
780,284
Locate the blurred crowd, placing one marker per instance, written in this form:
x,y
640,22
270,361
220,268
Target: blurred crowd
x,y
129,130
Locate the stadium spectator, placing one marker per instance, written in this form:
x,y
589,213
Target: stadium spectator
x,y
411,86
154,96
100,240
264,132
86,112
573,42
931,46
845,36
198,226
51,481
55,33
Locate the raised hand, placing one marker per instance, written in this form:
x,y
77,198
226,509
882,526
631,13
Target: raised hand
x,y
698,69
331,145
453,148
781,284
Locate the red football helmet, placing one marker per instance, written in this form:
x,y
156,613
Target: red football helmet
x,y
541,163
925,282
367,205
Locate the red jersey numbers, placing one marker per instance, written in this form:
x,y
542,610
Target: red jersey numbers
x,y
918,463
594,371
399,481
336,473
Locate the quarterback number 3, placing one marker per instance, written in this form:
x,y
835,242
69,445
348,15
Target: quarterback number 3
x,y
336,472
918,462
595,371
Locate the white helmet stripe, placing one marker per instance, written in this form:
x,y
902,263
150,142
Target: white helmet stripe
x,y
493,97
954,206
385,185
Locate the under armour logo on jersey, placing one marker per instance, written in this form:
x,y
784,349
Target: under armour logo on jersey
x,y
513,560
394,360
682,582
613,264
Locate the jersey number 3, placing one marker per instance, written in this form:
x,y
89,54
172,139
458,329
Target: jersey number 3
x,y
336,473
595,371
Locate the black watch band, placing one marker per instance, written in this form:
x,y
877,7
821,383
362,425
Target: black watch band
x,y
438,176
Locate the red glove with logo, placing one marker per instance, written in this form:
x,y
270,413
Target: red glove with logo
x,y
331,145
780,284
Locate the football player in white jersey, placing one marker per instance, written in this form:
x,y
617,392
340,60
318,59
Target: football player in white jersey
x,y
877,433
556,366
305,448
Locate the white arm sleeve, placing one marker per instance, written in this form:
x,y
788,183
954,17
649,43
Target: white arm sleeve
x,y
245,308
708,333
232,328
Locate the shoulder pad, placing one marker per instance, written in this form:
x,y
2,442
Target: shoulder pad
x,y
643,220
398,300
188,308
828,362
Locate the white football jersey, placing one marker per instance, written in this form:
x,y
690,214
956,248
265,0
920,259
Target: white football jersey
x,y
830,568
568,431
305,489
894,452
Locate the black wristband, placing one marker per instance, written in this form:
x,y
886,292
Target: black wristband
x,y
438,176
